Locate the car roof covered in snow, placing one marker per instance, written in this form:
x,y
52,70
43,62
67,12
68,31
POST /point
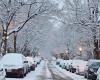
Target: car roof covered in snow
x,y
30,59
92,61
12,58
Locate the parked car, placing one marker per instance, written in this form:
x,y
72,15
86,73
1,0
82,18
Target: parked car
x,y
74,65
2,73
29,63
91,69
79,66
37,60
62,64
32,63
67,64
15,64
58,61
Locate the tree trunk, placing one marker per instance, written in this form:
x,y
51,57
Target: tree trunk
x,y
15,37
5,42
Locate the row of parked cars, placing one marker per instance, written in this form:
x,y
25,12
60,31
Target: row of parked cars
x,y
16,64
89,69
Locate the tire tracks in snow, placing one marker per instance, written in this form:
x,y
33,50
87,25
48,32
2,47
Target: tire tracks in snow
x,y
51,73
57,74
46,74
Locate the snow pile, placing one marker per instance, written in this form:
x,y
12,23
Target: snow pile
x,y
69,74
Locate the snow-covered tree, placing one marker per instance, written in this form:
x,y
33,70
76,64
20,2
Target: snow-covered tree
x,y
16,13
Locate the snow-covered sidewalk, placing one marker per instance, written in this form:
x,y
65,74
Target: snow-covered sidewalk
x,y
69,74
33,75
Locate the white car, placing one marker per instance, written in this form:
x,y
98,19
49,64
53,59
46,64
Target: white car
x,y
78,66
31,63
58,61
14,64
81,67
67,64
37,60
2,73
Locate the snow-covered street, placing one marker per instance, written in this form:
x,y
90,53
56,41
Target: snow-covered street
x,y
62,74
49,39
49,71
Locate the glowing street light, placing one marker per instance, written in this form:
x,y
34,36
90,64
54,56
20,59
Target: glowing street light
x,y
80,49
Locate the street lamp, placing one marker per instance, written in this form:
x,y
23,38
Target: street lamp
x,y
80,50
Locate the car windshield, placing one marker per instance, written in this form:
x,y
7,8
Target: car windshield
x,y
95,64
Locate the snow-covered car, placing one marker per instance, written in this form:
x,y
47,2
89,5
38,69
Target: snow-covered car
x,y
91,69
79,65
37,60
2,73
29,63
74,65
14,64
32,63
67,64
62,64
58,61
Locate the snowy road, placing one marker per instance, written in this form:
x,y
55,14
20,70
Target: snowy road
x,y
51,73
47,71
57,74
